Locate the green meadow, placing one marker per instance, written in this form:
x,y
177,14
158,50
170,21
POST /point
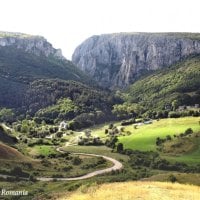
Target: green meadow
x,y
144,137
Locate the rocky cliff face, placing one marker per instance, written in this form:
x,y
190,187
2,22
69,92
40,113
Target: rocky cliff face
x,y
36,45
116,60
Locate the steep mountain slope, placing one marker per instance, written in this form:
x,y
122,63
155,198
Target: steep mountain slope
x,y
25,58
178,82
117,60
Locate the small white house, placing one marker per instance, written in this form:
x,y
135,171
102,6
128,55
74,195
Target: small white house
x,y
63,125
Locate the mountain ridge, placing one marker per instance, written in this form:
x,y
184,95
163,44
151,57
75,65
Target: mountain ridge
x,y
117,60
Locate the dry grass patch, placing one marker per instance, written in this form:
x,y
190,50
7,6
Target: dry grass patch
x,y
7,152
138,190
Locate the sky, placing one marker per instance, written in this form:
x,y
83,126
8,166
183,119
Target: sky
x,y
67,23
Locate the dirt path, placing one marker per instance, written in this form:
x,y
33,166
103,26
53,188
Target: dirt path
x,y
116,166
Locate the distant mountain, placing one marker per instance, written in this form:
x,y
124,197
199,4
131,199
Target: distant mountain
x,y
180,82
26,58
117,60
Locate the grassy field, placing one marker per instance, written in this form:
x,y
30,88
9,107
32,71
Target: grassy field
x,y
144,137
183,178
136,190
41,150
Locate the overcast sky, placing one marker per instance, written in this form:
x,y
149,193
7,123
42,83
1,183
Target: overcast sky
x,y
66,23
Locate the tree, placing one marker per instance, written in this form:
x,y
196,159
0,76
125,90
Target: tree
x,y
175,104
188,131
59,134
127,110
168,137
110,126
106,131
111,143
158,141
120,147
6,115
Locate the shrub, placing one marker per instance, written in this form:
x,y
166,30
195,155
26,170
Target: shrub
x,y
110,126
67,168
168,137
174,115
172,178
188,131
120,147
76,161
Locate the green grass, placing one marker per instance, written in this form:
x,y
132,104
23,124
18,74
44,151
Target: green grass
x,y
190,158
42,150
144,137
99,130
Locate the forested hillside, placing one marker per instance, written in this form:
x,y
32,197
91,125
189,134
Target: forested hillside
x,y
24,59
178,83
64,100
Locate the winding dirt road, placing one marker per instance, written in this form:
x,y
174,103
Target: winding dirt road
x,y
116,166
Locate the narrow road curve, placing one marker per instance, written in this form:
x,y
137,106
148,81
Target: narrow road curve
x,y
117,166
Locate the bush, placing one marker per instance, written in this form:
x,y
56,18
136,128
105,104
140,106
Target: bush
x,y
110,126
127,122
59,134
172,178
17,171
57,176
188,131
174,115
67,168
120,147
76,161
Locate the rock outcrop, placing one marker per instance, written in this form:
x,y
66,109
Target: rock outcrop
x,y
36,45
116,60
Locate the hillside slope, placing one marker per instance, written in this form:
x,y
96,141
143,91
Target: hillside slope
x,y
178,82
7,152
43,92
25,58
138,190
117,60
6,137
